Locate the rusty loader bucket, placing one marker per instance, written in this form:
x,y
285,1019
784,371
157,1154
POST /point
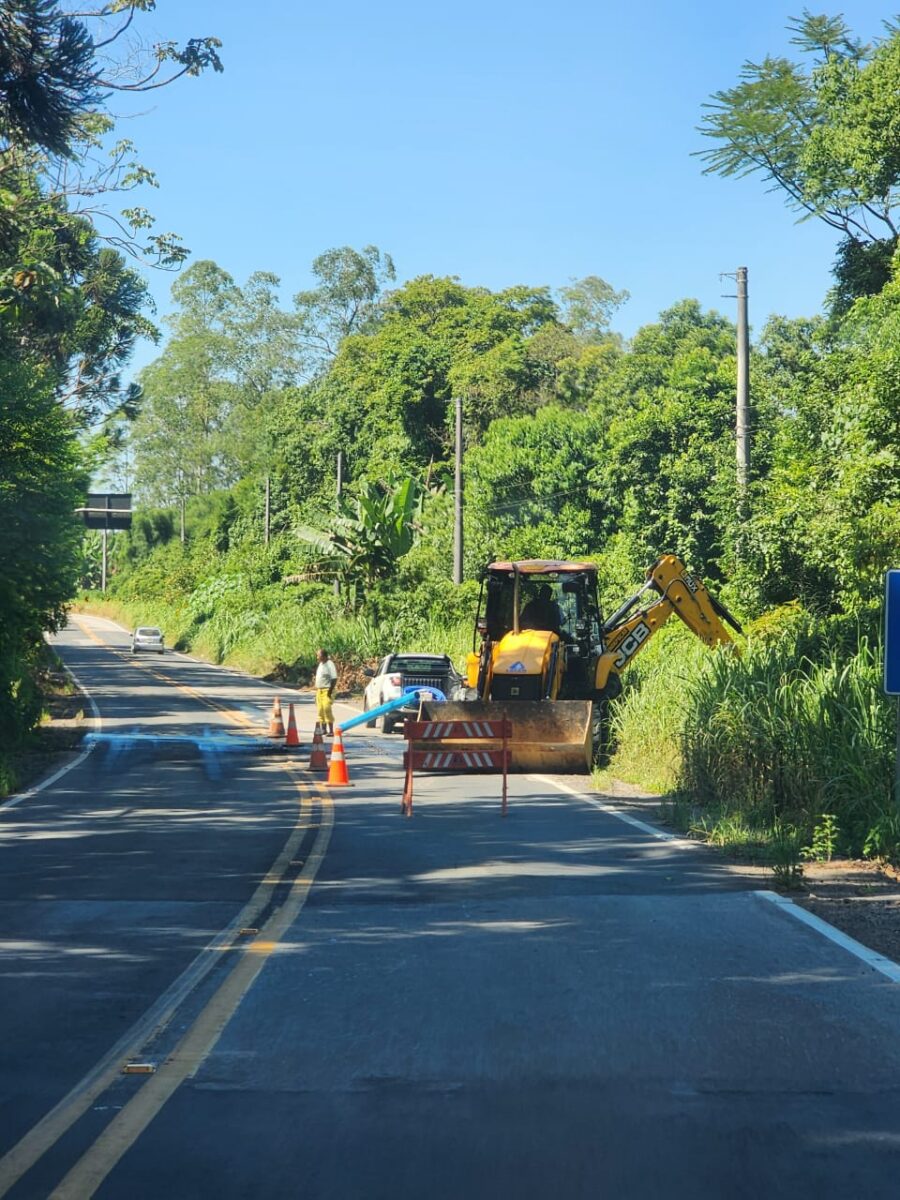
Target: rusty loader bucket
x,y
547,735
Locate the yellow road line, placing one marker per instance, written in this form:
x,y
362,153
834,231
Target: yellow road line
x,y
35,1144
234,715
41,1137
127,1126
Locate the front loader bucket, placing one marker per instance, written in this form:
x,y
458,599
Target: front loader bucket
x,y
547,735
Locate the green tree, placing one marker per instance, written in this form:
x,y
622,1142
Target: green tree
x,y
530,493
345,299
666,471
42,481
374,527
70,309
826,136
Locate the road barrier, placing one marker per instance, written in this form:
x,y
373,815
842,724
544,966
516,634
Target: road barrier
x,y
292,740
276,724
426,752
317,758
338,775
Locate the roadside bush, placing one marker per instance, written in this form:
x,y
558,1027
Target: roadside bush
x,y
794,727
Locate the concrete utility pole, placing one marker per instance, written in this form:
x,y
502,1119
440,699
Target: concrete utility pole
x,y
458,499
339,491
743,384
268,506
104,534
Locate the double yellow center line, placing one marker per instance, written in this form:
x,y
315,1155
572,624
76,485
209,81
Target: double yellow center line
x,y
130,1122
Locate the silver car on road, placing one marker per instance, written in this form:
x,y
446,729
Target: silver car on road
x,y
147,637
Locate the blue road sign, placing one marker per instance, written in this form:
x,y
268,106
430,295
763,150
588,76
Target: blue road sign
x,y
892,634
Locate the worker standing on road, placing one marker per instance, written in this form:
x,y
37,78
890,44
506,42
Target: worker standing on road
x,y
326,682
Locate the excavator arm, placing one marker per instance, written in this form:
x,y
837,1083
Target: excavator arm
x,y
677,592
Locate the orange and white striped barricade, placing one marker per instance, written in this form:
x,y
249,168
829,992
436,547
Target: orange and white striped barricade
x,y
426,751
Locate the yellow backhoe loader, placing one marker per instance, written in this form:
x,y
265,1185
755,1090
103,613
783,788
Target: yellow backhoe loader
x,y
548,662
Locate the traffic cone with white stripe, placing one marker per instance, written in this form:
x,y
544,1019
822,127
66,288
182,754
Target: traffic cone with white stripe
x,y
317,759
276,724
337,768
292,739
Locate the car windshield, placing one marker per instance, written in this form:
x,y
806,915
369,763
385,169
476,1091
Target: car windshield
x,y
419,666
148,631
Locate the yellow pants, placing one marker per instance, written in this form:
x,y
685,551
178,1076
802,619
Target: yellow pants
x,y
324,711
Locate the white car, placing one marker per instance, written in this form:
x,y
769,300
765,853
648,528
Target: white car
x,y
397,671
147,637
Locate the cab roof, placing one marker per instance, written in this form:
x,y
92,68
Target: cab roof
x,y
543,566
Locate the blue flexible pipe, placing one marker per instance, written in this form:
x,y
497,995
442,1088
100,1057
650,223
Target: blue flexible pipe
x,y
400,702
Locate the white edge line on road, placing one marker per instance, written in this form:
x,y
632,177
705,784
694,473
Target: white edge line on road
x,y
45,783
870,957
660,834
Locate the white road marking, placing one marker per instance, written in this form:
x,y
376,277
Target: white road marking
x,y
45,783
660,834
870,957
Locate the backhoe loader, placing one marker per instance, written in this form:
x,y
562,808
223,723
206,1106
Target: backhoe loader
x,y
544,658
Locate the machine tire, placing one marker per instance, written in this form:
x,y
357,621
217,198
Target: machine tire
x,y
601,733
369,724
386,723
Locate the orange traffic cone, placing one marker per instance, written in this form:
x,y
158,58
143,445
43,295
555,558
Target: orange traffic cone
x,y
337,768
292,739
317,759
276,724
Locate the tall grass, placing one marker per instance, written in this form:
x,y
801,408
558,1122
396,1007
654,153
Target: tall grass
x,y
767,740
267,633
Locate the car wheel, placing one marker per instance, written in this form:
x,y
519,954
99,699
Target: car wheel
x,y
387,724
369,724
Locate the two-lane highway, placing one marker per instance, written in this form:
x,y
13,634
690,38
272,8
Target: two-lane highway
x,y
452,1005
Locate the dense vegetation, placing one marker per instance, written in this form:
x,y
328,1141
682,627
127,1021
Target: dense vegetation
x,y
576,443
71,307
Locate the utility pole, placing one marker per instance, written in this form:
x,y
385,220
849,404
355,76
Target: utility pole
x,y
268,506
743,386
458,500
182,519
339,491
104,535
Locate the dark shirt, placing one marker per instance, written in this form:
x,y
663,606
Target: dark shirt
x,y
539,614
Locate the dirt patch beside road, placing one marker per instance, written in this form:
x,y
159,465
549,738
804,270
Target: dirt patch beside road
x,y
862,899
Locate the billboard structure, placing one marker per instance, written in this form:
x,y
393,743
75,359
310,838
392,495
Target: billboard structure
x,y
106,511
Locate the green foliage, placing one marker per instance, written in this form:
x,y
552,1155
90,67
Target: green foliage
x,y
371,531
42,480
795,727
785,857
824,840
826,136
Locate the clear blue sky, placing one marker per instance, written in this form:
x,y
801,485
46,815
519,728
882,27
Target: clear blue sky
x,y
500,142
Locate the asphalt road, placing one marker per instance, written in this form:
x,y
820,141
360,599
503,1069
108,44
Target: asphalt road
x,y
455,1005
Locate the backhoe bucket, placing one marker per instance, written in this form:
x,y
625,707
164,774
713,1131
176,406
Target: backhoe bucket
x,y
547,735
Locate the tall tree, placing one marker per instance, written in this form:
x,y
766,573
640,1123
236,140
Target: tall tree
x,y
70,309
826,136
345,298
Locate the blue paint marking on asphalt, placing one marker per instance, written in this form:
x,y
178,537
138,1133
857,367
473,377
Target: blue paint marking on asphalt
x,y
207,743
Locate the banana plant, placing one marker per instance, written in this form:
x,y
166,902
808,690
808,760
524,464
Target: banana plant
x,y
372,529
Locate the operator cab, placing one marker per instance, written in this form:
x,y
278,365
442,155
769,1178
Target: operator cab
x,y
547,594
